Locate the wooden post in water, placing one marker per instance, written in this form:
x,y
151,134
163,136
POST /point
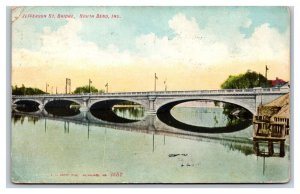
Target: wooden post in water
x,y
281,149
270,148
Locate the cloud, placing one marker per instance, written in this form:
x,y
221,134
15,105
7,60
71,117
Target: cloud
x,y
266,44
65,47
193,45
190,45
185,28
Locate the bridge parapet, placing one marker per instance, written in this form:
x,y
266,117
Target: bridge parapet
x,y
249,91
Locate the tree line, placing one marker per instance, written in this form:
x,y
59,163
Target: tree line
x,y
26,90
250,79
36,91
87,89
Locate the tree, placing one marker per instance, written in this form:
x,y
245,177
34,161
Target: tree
x,y
26,90
250,79
87,89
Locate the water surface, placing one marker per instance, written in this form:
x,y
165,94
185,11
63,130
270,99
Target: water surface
x,y
49,149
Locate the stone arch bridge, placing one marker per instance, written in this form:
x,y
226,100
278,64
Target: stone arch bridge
x,y
153,102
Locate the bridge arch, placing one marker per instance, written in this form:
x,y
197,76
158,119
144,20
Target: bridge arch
x,y
103,110
248,103
26,105
113,101
46,101
60,107
164,115
32,100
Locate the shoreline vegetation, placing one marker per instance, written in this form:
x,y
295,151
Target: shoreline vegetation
x,y
26,90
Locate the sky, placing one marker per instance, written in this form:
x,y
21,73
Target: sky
x,y
189,48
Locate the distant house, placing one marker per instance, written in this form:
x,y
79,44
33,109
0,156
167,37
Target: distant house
x,y
278,82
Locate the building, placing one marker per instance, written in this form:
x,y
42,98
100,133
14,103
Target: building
x,y
271,127
272,119
277,82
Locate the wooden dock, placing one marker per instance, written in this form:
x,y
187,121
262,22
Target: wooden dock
x,y
271,127
272,120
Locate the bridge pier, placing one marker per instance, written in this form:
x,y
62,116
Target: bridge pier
x,y
41,106
84,105
150,122
151,110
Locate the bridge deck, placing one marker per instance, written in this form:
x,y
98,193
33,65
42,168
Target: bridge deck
x,y
169,93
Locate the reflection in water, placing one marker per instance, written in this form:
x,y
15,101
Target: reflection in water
x,y
117,111
66,127
133,113
62,108
45,125
268,148
140,153
26,106
21,118
204,116
243,148
202,120
110,116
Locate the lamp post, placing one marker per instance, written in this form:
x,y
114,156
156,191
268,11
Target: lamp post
x,y
266,73
260,89
68,83
90,81
106,85
155,78
47,87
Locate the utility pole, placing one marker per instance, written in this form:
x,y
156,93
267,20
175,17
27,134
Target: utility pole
x,y
165,83
106,85
68,85
47,87
56,90
90,81
266,73
155,78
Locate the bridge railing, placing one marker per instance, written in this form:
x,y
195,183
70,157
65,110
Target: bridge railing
x,y
149,93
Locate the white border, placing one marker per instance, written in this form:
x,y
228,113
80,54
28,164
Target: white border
x,y
4,118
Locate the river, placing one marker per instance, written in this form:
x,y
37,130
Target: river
x,y
89,148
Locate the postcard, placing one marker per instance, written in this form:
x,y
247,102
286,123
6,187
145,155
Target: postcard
x,y
150,94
